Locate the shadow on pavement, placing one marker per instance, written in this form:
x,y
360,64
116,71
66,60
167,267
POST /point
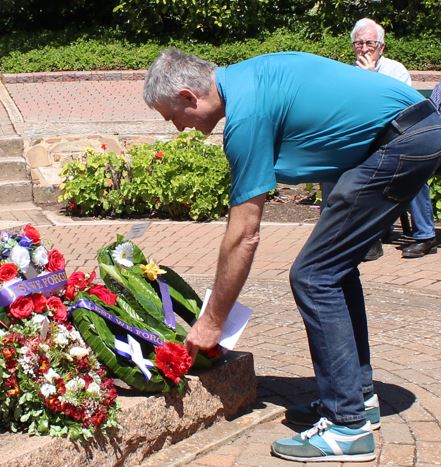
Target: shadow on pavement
x,y
287,391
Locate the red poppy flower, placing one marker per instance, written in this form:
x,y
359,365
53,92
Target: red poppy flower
x,y
173,360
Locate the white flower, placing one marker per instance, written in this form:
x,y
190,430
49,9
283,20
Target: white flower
x,y
74,335
93,388
123,254
79,352
20,256
48,389
75,384
44,347
51,375
40,256
61,339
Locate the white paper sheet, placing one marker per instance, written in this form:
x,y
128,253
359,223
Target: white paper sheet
x,y
234,324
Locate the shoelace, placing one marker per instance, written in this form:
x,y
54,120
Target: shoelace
x,y
318,428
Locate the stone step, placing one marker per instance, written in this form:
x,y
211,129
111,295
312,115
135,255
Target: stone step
x,y
15,191
13,168
11,147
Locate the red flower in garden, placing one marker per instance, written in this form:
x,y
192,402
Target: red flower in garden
x,y
56,261
159,155
8,271
104,146
103,293
21,308
71,205
39,302
32,233
173,360
57,307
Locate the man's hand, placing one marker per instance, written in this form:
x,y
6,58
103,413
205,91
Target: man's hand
x,y
366,62
204,335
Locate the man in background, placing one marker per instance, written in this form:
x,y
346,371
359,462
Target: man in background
x,y
368,45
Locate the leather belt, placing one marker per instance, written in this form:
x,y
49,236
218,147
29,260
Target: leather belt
x,y
403,121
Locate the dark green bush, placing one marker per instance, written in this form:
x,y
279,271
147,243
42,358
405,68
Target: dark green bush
x,y
110,50
180,179
435,194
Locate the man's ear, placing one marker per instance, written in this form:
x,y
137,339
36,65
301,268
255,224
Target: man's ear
x,y
188,97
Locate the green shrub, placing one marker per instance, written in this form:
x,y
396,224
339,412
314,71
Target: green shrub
x,y
435,194
107,50
180,179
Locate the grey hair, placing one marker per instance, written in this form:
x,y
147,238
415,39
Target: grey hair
x,y
365,23
174,70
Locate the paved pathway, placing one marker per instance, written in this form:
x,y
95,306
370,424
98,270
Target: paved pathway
x,y
403,296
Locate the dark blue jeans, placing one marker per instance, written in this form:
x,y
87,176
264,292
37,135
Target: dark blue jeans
x,y
325,279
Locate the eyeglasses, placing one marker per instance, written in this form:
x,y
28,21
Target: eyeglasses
x,y
369,44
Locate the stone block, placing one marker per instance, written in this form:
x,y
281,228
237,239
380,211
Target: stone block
x,y
149,423
44,195
38,156
16,191
11,147
13,168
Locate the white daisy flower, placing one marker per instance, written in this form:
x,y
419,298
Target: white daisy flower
x,y
20,256
123,254
40,256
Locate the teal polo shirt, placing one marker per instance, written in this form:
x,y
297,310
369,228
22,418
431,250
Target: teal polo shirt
x,y
295,117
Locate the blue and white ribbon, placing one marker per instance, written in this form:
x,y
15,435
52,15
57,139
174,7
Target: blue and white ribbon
x,y
128,347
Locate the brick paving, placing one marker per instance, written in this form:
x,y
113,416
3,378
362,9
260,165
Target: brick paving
x,y
403,297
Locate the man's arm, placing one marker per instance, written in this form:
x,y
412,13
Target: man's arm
x,y
235,258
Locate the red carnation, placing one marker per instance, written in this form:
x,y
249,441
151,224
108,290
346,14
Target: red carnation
x,y
56,261
214,352
39,302
57,307
78,279
32,233
8,271
173,360
22,308
44,364
103,293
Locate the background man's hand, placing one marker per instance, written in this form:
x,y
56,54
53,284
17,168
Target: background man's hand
x,y
366,62
204,335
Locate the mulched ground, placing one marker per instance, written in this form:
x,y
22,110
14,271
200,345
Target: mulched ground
x,y
292,204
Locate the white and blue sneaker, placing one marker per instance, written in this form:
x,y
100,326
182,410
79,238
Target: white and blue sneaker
x,y
328,442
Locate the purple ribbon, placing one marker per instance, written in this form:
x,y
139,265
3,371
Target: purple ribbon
x,y
167,305
141,333
47,285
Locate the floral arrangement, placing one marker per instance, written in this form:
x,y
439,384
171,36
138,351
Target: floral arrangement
x,y
136,333
53,383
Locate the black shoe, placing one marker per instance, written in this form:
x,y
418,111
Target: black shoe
x,y
375,252
419,249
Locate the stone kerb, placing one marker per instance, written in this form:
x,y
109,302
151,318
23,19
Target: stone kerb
x,y
148,423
